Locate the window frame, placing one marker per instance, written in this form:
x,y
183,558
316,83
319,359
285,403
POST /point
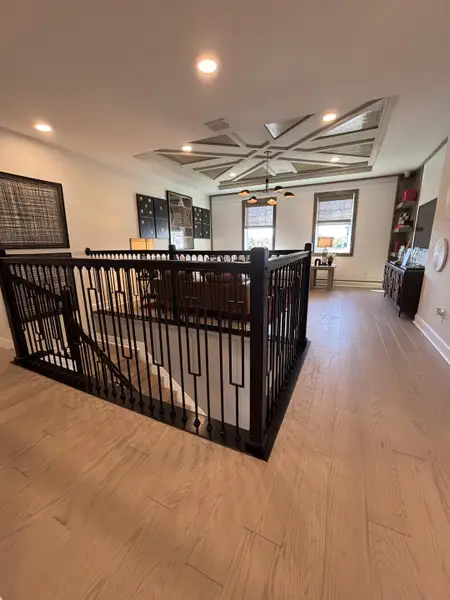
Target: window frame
x,y
338,195
260,202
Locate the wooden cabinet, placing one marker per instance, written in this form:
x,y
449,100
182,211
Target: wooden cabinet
x,y
403,287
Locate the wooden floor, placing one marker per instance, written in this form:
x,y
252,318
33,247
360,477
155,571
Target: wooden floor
x,y
99,503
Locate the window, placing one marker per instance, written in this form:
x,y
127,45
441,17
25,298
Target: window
x,y
259,225
335,222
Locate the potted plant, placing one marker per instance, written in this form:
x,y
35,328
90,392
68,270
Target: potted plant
x,y
330,258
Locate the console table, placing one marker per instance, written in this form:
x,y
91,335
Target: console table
x,y
403,286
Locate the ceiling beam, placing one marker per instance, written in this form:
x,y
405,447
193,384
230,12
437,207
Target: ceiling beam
x,y
283,178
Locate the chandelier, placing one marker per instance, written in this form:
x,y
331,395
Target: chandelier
x,y
267,191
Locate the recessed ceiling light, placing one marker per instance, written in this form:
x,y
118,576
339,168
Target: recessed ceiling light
x,y
328,117
335,159
186,148
232,174
43,127
207,66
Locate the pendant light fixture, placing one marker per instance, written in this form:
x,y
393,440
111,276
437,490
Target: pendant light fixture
x,y
267,191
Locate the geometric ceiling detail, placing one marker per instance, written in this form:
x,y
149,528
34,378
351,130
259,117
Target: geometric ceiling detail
x,y
279,128
185,158
261,172
362,150
300,148
217,140
303,167
368,119
215,173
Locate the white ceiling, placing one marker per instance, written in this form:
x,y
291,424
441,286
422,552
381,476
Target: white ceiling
x,y
117,79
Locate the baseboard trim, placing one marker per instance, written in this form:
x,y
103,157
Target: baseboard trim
x,y
442,347
6,343
371,285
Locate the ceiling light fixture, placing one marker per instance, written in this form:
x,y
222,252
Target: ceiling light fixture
x,y
43,127
328,117
207,66
278,189
232,174
186,148
335,159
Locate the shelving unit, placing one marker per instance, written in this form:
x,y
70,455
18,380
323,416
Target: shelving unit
x,y
403,235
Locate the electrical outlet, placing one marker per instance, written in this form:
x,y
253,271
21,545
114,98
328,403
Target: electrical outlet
x,y
441,312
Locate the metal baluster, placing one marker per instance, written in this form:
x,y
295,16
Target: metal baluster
x,y
133,330
111,274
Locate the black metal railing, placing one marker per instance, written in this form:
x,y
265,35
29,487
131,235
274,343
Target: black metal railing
x,y
210,346
172,253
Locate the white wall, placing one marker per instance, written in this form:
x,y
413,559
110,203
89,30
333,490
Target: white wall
x,y
436,286
294,224
431,177
100,202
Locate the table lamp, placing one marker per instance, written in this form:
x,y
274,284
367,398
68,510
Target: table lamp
x,y
325,243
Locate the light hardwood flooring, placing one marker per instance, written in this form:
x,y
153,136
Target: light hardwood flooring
x,y
354,504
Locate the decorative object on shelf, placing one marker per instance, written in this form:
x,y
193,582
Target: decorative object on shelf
x,y
32,214
272,192
406,257
181,220
440,254
330,258
409,195
404,218
325,243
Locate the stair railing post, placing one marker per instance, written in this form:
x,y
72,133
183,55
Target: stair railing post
x,y
12,309
304,296
259,298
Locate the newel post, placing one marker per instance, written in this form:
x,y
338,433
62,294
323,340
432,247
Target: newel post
x,y
304,293
12,310
259,298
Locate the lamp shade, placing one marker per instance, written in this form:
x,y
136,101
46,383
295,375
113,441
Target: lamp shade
x,y
252,200
244,193
325,242
289,194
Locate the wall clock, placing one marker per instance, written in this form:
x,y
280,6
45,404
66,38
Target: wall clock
x,y
440,254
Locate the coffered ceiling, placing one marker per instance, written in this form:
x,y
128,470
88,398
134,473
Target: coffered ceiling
x,y
118,80
297,147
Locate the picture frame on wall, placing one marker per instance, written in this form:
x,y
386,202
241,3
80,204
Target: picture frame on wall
x,y
181,220
32,214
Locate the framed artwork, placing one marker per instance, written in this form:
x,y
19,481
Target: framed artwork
x,y
146,216
181,220
202,227
32,214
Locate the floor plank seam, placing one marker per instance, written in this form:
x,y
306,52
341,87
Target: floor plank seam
x,y
204,574
410,455
158,502
389,528
263,537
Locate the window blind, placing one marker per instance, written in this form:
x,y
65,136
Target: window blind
x,y
259,216
332,211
